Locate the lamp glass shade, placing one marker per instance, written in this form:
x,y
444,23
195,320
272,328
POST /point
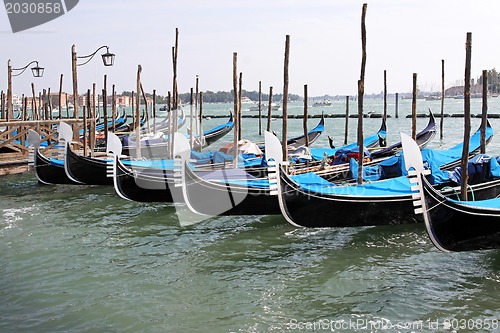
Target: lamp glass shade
x,y
108,59
37,71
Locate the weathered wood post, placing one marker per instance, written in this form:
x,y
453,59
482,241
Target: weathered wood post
x,y
465,152
361,91
202,138
346,130
196,104
84,109
240,88
260,107
154,110
91,114
236,105
105,109
113,107
269,109
175,53
414,108
67,105
484,113
146,112
304,123
60,96
35,108
75,80
385,95
285,98
396,108
2,105
132,105
191,120
170,115
137,115
442,100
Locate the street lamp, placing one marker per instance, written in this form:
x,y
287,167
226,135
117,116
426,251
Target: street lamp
x,y
107,58
36,70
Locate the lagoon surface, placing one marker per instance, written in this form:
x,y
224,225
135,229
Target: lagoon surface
x,y
81,259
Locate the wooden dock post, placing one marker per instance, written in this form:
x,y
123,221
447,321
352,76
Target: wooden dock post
x,y
75,80
414,109
60,96
385,95
191,120
304,123
154,110
442,100
465,151
484,113
240,88
260,107
236,105
396,108
269,109
285,98
202,138
346,130
105,109
137,114
113,107
361,91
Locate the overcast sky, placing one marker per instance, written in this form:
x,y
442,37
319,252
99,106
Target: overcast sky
x,y
403,37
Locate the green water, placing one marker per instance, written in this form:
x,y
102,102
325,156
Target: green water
x,y
81,259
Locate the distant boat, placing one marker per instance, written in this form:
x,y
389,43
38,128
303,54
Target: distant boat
x,y
274,107
324,102
246,100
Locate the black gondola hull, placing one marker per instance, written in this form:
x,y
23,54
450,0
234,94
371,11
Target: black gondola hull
x,y
48,173
141,185
456,227
86,170
225,198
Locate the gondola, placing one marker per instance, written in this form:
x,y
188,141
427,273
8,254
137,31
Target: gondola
x,y
156,146
92,171
333,164
139,185
211,136
423,138
85,169
382,202
227,192
232,191
454,225
300,140
49,171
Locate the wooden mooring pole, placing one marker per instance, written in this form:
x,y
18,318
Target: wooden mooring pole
x,y
269,109
484,113
361,91
414,108
285,98
236,111
465,151
304,124
442,101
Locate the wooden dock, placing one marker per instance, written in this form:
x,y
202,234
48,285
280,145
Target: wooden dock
x,y
14,148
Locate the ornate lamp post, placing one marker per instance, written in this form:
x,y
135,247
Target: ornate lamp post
x,y
36,70
107,58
